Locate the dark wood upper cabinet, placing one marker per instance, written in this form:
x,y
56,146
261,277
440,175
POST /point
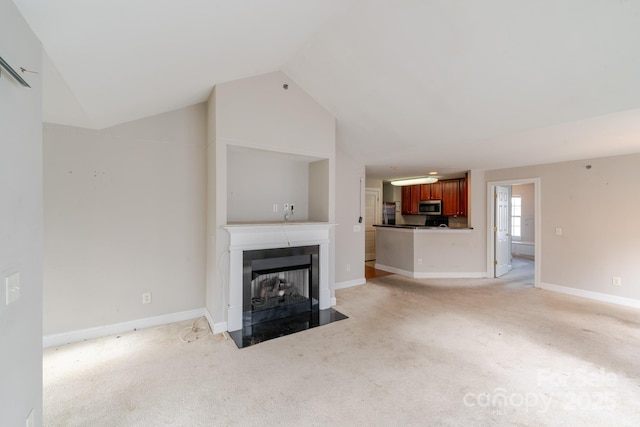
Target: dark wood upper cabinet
x,y
415,198
410,199
454,197
463,197
452,192
431,191
450,197
406,200
425,191
436,190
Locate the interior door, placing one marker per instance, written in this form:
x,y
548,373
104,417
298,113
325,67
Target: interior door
x,y
501,233
371,216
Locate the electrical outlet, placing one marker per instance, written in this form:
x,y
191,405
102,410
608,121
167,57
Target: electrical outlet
x,y
558,231
146,298
616,281
275,207
348,267
285,206
12,287
419,261
356,228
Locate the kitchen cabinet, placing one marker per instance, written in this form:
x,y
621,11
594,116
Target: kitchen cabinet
x,y
425,191
463,196
454,197
410,199
436,190
406,200
450,197
431,191
452,192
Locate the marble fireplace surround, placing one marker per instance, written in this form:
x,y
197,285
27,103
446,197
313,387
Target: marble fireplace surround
x,y
246,237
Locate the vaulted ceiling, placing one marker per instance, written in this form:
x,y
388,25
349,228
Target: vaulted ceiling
x,y
415,85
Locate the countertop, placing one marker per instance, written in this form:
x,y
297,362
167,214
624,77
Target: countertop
x,y
423,227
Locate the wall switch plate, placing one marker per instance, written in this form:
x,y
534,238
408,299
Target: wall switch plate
x,y
12,287
146,298
275,207
558,231
356,228
616,281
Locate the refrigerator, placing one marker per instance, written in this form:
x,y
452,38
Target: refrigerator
x,y
389,213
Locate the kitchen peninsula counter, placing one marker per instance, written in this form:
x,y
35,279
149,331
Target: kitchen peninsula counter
x,y
428,252
424,227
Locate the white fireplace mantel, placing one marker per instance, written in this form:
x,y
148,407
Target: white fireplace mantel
x,y
247,237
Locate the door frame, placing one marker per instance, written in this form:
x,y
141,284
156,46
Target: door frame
x,y
378,214
537,192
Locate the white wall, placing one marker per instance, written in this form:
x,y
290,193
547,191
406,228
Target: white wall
x,y
20,222
124,214
258,113
595,208
349,204
258,179
320,204
216,215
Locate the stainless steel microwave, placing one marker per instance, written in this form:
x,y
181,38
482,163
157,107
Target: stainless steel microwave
x,y
430,207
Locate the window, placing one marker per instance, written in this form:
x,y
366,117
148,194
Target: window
x,y
516,217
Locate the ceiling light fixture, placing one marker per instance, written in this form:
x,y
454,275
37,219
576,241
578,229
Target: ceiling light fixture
x,y
414,181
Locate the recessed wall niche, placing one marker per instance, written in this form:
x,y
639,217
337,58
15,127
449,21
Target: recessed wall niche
x,y
259,179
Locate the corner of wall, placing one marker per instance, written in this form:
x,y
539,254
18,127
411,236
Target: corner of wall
x,y
21,245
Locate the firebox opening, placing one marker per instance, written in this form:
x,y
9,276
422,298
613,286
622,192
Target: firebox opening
x,y
279,283
275,295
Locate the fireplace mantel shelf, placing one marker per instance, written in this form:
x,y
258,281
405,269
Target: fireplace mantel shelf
x,y
276,235
277,224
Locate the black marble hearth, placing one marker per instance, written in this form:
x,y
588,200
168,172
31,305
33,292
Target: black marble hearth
x,y
253,334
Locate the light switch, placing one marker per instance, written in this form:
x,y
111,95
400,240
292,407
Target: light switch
x,y
12,285
356,228
558,231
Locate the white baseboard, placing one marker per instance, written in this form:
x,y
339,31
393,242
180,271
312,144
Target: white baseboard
x,y
219,327
435,275
445,275
613,299
346,284
393,270
117,328
216,328
350,283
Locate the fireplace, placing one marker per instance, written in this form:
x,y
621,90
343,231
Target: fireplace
x,y
279,283
278,280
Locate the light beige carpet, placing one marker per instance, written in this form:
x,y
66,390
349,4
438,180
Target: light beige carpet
x,y
413,352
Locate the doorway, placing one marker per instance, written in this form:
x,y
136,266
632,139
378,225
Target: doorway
x,y
502,235
372,215
502,224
